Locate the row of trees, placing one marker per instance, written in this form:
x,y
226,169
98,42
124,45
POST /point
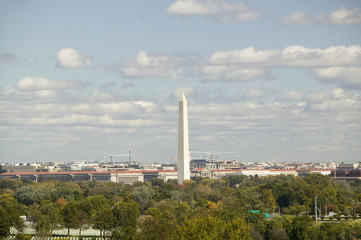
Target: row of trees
x,y
197,209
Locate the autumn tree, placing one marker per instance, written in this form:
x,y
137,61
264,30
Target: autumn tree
x,y
268,201
142,195
12,210
46,216
29,194
5,223
69,214
126,215
210,228
104,220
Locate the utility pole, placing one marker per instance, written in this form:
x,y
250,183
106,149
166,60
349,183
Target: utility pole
x,y
316,208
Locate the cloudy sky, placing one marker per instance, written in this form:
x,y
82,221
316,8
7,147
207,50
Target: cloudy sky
x,y
267,80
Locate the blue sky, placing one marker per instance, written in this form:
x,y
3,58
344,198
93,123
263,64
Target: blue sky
x,y
269,80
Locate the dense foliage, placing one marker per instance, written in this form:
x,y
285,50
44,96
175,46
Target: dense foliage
x,y
198,209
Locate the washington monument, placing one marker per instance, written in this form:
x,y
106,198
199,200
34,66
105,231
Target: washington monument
x,y
183,141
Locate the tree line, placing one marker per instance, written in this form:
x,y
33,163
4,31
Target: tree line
x,y
230,208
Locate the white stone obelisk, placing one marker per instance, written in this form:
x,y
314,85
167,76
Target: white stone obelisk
x,y
183,141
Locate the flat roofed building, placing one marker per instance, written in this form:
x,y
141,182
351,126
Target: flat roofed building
x,y
18,168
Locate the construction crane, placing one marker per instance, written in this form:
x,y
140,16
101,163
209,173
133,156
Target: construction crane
x,y
111,156
212,154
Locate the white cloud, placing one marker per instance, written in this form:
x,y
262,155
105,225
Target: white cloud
x,y
39,83
334,65
144,104
339,93
104,124
157,65
98,95
293,95
291,56
220,10
245,56
299,56
341,16
336,101
254,93
226,73
45,94
337,105
32,88
36,94
82,120
240,65
346,77
345,16
71,58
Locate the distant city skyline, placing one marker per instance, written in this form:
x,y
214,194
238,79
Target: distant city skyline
x,y
266,80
